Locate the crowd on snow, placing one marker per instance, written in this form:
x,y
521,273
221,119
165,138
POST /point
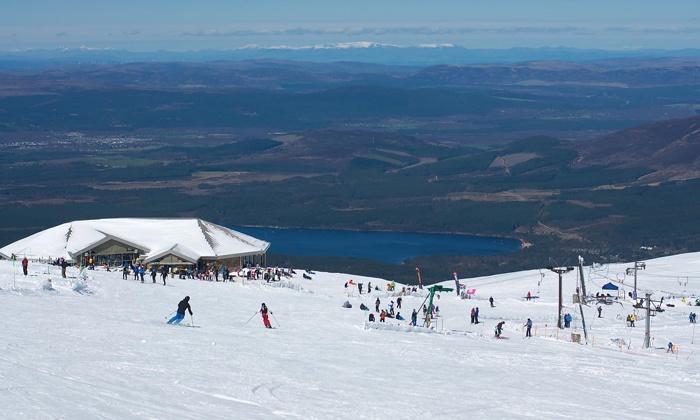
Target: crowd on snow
x,y
435,309
205,273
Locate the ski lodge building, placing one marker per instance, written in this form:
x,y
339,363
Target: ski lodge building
x,y
174,242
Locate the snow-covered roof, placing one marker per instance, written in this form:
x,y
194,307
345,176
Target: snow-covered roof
x,y
187,238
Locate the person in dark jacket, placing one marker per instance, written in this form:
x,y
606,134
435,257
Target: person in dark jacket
x,y
499,329
266,320
528,324
183,306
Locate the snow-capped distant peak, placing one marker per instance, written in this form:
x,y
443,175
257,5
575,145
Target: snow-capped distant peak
x,y
83,48
335,46
435,45
362,44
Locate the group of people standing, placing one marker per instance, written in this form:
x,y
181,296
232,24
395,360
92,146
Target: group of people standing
x,y
475,315
61,262
384,313
140,271
567,320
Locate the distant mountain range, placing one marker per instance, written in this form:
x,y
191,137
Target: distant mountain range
x,y
286,75
367,52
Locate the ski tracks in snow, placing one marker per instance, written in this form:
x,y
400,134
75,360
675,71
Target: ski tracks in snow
x,y
269,387
257,409
219,396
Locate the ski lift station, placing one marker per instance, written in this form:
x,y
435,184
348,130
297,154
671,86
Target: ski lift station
x,y
153,241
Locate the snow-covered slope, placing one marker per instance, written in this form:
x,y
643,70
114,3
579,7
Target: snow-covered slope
x,y
100,348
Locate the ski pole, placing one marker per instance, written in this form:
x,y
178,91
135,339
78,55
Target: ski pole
x,y
246,323
273,317
171,314
192,319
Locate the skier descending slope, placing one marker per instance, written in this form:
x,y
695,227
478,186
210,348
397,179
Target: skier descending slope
x,y
266,320
499,329
183,306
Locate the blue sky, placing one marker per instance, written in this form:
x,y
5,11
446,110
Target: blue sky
x,y
179,25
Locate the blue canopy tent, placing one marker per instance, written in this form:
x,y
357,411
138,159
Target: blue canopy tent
x,y
610,286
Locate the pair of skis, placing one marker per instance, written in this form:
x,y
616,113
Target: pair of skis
x,y
187,324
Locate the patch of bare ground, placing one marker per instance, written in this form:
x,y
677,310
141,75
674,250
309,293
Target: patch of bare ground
x,y
501,197
139,185
53,201
288,138
587,204
523,230
542,229
599,224
610,187
546,230
394,152
512,160
191,185
351,208
669,174
423,161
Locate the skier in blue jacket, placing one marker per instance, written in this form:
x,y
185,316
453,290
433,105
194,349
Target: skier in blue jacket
x,y
528,324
